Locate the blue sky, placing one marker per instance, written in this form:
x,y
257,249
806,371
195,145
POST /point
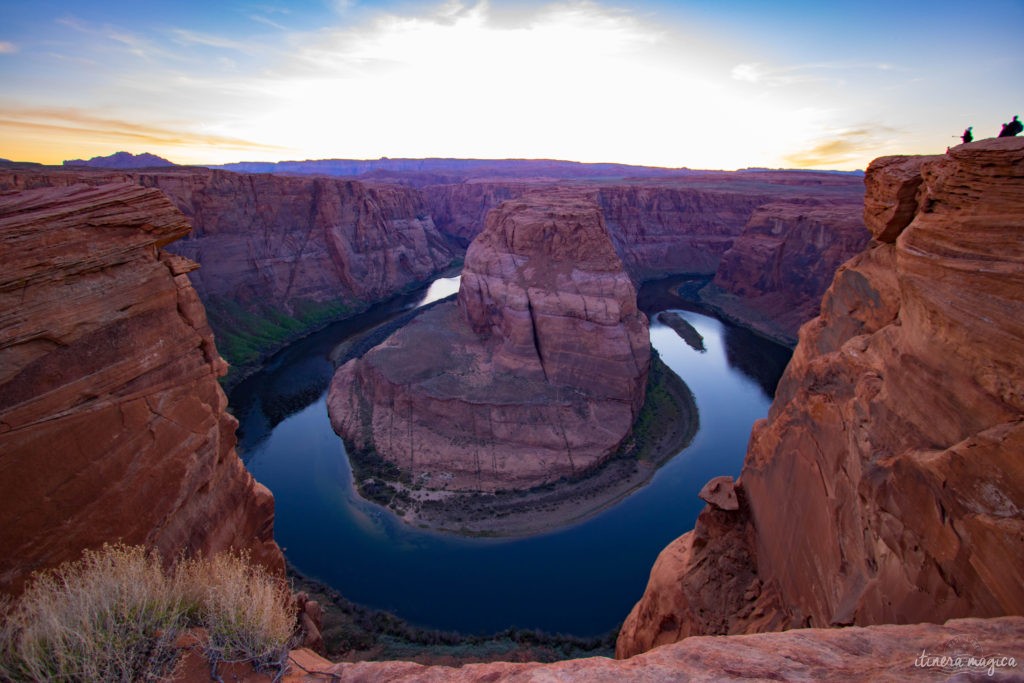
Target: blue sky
x,y
689,83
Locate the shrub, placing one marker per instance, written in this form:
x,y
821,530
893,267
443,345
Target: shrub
x,y
248,614
107,617
115,615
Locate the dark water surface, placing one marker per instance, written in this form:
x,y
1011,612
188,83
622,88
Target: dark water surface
x,y
579,580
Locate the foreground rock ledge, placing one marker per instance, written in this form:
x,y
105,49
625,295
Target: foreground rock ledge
x,y
887,483
537,373
875,653
112,424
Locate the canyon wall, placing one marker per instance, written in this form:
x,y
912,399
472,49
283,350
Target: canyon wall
x,y
537,372
112,424
281,255
887,483
460,209
772,240
661,231
775,272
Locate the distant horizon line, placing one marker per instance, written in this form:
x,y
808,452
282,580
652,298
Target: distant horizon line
x,y
226,165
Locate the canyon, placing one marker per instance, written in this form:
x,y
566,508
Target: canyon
x,y
899,421
885,486
112,423
536,373
771,241
283,255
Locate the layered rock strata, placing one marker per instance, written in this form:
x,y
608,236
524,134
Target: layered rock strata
x,y
661,231
774,274
112,424
887,483
282,255
536,373
962,649
772,241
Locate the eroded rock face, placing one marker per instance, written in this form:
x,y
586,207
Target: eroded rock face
x,y
773,276
887,484
660,231
112,424
874,653
537,372
308,249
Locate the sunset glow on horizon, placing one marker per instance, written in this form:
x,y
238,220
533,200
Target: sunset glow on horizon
x,y
692,83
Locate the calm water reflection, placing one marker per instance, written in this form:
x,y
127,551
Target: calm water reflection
x,y
581,580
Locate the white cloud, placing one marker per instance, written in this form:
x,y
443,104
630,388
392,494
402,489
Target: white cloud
x,y
817,72
260,19
568,81
187,37
563,79
7,48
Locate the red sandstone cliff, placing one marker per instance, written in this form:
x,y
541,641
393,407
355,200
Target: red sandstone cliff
x,y
460,209
280,254
112,423
887,484
773,240
537,373
773,276
661,230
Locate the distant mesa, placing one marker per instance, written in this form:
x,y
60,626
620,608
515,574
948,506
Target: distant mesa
x,y
536,373
122,160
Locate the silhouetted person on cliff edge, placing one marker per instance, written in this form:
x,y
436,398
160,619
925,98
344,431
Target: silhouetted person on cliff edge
x,y
1012,128
968,135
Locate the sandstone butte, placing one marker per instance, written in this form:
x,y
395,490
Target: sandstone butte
x,y
772,240
887,483
536,373
112,423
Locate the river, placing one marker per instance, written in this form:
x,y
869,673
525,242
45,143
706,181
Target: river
x,y
580,580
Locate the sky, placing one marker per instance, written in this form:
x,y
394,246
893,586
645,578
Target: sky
x,y
830,84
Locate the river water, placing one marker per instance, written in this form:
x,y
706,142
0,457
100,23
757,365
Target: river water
x,y
580,580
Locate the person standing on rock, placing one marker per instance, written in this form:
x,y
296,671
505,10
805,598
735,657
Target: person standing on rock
x,y
1011,129
968,136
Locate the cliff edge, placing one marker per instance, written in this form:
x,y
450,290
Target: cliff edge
x,y
112,424
887,483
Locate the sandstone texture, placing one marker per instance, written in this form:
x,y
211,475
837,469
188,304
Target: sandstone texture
x,y
112,424
536,373
282,255
460,210
774,274
772,240
661,230
887,483
875,653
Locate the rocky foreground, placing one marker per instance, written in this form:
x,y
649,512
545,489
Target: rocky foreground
x,y
112,423
536,373
961,649
887,483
